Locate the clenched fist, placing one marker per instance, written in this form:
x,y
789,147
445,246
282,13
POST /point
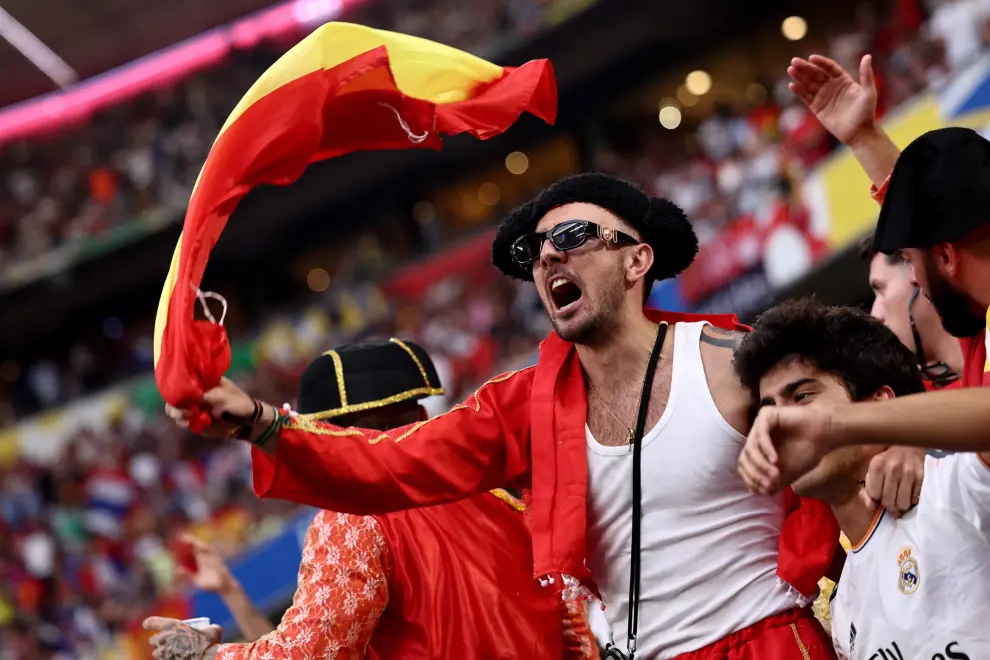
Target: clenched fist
x,y
228,405
785,443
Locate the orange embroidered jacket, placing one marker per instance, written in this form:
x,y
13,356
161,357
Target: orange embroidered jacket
x,y
521,429
444,582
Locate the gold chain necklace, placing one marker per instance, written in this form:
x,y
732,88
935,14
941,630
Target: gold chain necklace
x,y
630,433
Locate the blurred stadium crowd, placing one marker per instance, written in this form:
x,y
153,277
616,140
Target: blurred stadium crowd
x,y
84,541
143,157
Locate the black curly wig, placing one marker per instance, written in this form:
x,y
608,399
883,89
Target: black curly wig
x,y
661,223
843,341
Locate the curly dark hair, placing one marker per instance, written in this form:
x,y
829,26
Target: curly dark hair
x,y
842,341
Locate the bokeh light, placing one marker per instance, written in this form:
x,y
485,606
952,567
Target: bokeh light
x,y
756,94
698,83
517,162
424,213
489,194
318,280
794,28
670,117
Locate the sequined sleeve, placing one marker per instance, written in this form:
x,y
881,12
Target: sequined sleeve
x,y
343,590
579,640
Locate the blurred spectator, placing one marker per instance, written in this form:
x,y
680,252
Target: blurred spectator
x,y
142,158
85,543
960,28
81,183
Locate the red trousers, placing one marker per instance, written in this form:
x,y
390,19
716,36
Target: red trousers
x,y
791,635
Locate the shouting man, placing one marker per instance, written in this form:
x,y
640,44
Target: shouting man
x,y
704,567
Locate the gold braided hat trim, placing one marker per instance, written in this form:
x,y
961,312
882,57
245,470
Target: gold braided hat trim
x,y
370,405
309,424
347,408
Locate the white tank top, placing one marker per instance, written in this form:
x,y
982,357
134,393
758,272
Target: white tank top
x,y
709,548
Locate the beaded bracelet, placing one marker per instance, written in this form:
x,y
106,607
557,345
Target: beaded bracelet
x,y
278,421
243,431
258,410
263,438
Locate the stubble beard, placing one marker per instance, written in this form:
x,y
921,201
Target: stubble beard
x,y
587,331
953,308
600,318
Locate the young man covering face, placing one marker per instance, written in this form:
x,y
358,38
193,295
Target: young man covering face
x,y
912,587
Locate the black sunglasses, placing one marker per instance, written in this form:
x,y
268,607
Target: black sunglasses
x,y
567,235
937,373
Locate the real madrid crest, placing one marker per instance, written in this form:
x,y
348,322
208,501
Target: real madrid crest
x,y
908,575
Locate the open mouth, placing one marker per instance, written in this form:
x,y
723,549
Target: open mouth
x,y
563,292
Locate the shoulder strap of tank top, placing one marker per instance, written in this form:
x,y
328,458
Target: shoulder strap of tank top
x,y
687,347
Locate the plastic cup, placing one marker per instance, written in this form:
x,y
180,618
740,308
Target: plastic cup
x,y
201,623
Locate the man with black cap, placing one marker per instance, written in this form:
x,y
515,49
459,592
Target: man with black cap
x,y
934,212
441,582
627,432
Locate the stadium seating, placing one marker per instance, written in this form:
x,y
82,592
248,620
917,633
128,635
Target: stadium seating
x,y
86,525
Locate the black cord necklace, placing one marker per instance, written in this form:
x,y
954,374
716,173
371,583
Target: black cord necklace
x,y
637,503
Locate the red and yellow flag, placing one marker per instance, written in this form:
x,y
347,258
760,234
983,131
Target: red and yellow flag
x,y
343,88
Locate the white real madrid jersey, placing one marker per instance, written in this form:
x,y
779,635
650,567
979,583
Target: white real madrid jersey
x,y
918,588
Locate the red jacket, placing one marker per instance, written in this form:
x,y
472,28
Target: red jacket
x,y
524,428
461,584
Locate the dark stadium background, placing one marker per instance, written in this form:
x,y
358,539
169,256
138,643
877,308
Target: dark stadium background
x,y
96,484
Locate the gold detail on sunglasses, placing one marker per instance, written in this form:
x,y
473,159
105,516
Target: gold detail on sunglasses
x,y
606,234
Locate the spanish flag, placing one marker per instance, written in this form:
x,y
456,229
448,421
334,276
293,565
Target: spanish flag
x,y
343,88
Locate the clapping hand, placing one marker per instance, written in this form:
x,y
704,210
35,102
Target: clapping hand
x,y
844,106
